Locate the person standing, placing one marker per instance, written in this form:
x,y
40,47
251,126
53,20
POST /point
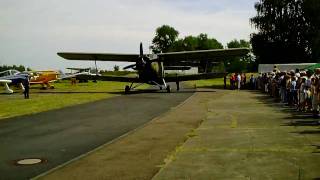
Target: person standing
x,y
225,82
177,82
232,80
26,85
239,81
252,82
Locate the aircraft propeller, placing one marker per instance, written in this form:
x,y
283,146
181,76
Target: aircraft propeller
x,y
140,63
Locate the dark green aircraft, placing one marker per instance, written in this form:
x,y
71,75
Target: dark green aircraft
x,y
150,67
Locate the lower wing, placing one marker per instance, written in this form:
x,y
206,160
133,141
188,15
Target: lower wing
x,y
5,81
109,78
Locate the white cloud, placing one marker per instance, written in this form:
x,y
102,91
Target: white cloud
x,y
33,31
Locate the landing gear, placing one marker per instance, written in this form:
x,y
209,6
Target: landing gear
x,y
161,86
126,89
178,85
168,89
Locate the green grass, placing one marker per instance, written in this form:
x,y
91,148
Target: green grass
x,y
119,73
216,83
63,95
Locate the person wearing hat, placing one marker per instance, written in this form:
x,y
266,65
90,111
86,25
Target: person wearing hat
x,y
302,91
275,69
315,93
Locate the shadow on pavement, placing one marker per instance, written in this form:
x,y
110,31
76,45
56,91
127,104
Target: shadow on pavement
x,y
296,118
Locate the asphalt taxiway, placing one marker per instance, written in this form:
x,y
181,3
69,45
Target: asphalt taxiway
x,y
60,135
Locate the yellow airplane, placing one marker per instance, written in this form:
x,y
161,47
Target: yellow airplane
x,y
43,77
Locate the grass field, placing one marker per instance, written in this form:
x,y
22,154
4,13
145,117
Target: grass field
x,y
216,83
63,95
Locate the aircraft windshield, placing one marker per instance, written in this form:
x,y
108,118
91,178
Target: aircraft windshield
x,y
8,73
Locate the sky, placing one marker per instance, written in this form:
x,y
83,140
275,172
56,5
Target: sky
x,y
33,31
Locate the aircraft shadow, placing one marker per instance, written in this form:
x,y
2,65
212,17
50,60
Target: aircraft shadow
x,y
121,92
301,123
308,132
71,92
152,91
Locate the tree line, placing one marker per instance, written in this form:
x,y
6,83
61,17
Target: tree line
x,y
288,32
167,40
20,68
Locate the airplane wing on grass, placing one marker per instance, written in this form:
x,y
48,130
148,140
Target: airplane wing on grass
x,y
191,77
99,56
209,55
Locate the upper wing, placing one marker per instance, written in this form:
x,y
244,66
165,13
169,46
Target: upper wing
x,y
99,56
203,54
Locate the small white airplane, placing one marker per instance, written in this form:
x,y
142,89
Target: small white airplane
x,y
14,77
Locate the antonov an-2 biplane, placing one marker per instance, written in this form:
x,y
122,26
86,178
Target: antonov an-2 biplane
x,y
150,67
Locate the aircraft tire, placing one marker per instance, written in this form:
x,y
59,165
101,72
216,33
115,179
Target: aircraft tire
x,y
168,89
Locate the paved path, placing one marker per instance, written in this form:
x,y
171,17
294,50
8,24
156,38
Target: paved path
x,y
61,135
246,135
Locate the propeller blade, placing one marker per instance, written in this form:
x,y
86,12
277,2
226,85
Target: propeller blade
x,y
130,66
141,50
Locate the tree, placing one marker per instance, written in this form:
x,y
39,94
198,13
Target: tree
x,y
20,68
166,40
165,37
312,15
285,31
116,68
237,64
205,43
192,43
238,44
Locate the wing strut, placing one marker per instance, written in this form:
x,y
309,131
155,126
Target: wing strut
x,y
95,63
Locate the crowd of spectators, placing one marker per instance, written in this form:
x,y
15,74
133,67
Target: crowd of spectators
x,y
297,88
237,81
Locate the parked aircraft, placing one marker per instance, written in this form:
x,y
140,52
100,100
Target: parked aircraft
x,y
43,77
36,77
150,67
77,73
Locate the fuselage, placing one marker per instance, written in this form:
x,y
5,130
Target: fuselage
x,y
43,77
151,72
15,76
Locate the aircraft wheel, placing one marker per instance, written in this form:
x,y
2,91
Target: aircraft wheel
x,y
160,87
127,89
168,89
